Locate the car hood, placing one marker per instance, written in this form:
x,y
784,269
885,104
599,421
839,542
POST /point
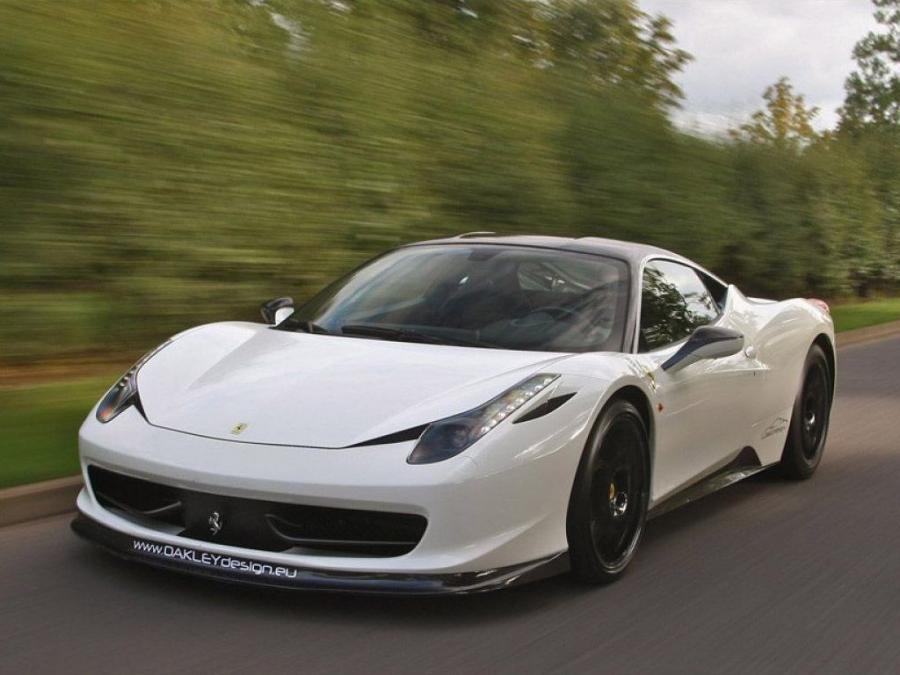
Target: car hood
x,y
246,382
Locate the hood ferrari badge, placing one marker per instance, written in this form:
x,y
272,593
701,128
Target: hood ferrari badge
x,y
215,523
238,428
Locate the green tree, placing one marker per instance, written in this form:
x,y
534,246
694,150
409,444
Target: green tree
x,y
613,42
785,122
870,120
873,90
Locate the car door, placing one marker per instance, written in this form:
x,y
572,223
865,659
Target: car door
x,y
701,420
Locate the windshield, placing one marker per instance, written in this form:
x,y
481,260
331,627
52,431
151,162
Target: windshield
x,y
505,297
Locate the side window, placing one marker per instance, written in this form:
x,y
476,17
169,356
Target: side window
x,y
674,301
718,291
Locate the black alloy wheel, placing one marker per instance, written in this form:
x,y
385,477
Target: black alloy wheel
x,y
608,506
809,421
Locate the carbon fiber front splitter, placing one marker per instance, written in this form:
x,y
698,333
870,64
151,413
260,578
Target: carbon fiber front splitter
x,y
239,569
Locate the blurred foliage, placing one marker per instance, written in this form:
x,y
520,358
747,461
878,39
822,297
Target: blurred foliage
x,y
168,163
873,89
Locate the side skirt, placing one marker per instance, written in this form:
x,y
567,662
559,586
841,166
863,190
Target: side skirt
x,y
743,466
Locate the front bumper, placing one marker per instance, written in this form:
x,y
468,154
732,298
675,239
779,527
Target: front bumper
x,y
237,569
485,515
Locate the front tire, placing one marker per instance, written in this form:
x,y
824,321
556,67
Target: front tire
x,y
608,506
809,421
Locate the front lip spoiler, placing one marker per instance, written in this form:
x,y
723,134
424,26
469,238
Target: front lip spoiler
x,y
243,570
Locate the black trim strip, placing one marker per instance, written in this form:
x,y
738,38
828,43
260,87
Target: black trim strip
x,y
544,408
411,434
162,511
744,465
238,569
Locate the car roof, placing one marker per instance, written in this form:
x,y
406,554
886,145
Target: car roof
x,y
631,252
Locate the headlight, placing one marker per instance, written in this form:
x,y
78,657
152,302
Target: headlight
x,y
450,436
124,392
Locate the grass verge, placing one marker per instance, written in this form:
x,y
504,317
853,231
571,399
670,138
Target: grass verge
x,y
863,314
40,428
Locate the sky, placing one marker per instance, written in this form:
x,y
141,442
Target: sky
x,y
742,46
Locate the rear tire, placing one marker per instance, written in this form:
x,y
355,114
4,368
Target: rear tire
x,y
608,505
808,430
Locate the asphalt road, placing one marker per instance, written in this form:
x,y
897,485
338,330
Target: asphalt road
x,y
764,577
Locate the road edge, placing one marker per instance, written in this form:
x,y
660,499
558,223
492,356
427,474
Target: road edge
x,y
38,500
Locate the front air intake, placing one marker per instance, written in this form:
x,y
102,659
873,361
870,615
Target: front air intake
x,y
256,524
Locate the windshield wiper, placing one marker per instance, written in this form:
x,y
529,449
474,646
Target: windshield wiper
x,y
406,335
389,333
293,324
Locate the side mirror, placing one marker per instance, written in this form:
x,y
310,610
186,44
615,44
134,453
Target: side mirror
x,y
277,310
707,342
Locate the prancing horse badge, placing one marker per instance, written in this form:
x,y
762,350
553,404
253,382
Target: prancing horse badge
x,y
238,428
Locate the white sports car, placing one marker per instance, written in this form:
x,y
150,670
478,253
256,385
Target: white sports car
x,y
455,416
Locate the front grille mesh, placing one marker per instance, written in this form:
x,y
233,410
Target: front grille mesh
x,y
257,524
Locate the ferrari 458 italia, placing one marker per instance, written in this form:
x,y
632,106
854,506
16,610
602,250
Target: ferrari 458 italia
x,y
455,416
